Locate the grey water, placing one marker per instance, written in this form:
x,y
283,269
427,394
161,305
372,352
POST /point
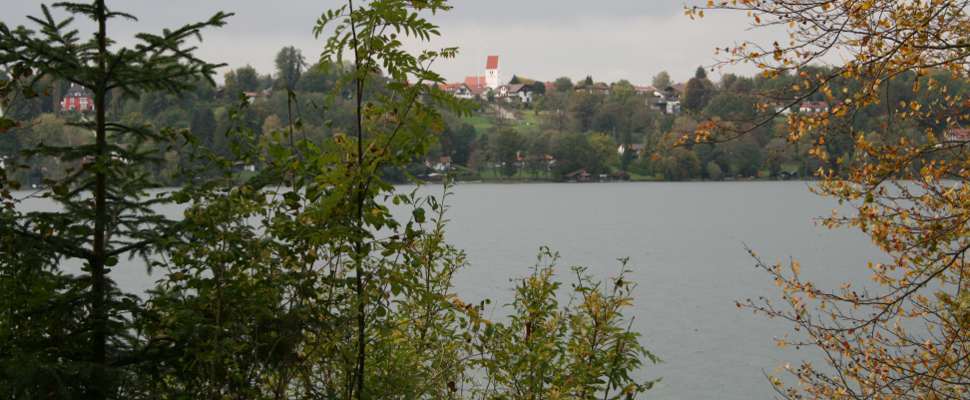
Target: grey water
x,y
686,248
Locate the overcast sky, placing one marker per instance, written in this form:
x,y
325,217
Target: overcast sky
x,y
540,39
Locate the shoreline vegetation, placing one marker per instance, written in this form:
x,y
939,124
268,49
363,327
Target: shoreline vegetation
x,y
643,131
312,290
288,276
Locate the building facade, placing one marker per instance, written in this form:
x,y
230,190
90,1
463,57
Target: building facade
x,y
493,75
77,99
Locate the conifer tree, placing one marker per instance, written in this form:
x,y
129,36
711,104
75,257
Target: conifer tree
x,y
64,334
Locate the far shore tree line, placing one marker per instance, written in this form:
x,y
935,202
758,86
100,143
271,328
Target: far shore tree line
x,y
287,276
617,130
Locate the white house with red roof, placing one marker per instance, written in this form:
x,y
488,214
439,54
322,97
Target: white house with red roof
x,y
459,90
77,99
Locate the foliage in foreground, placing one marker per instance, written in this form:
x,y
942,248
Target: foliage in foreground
x,y
298,282
905,337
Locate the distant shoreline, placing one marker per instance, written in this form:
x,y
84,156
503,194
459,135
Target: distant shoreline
x,y
534,182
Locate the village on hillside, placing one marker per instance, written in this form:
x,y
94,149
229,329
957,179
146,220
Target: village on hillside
x,y
490,86
520,128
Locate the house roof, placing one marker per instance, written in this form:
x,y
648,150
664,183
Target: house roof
x,y
478,90
644,89
518,87
474,82
77,91
451,87
491,62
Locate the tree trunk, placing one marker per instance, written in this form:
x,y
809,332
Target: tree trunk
x,y
361,188
97,261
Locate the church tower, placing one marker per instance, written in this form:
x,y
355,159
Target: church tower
x,y
493,77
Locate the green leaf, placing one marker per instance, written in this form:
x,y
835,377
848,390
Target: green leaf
x,y
6,124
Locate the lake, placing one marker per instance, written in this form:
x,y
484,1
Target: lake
x,y
686,245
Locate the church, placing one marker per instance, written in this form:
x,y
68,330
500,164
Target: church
x,y
491,80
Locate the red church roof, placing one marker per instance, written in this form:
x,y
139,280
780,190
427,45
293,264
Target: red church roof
x,y
492,62
475,81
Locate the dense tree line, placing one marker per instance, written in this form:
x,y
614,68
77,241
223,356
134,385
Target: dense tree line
x,y
734,128
569,128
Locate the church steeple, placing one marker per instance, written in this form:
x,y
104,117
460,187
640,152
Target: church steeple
x,y
493,76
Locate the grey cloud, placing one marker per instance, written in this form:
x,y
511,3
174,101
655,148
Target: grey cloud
x,y
608,39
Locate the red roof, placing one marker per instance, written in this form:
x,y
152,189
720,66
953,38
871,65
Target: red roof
x,y
492,62
478,90
451,86
475,81
644,89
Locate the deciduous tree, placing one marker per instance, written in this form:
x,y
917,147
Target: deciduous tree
x,y
662,81
289,67
906,336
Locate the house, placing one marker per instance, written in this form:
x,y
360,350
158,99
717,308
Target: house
x,y
580,175
544,161
636,148
656,102
258,95
813,107
443,164
672,107
550,86
666,101
477,86
459,90
601,88
515,92
475,81
645,90
480,85
957,135
78,98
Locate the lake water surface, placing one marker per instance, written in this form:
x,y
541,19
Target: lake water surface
x,y
685,242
